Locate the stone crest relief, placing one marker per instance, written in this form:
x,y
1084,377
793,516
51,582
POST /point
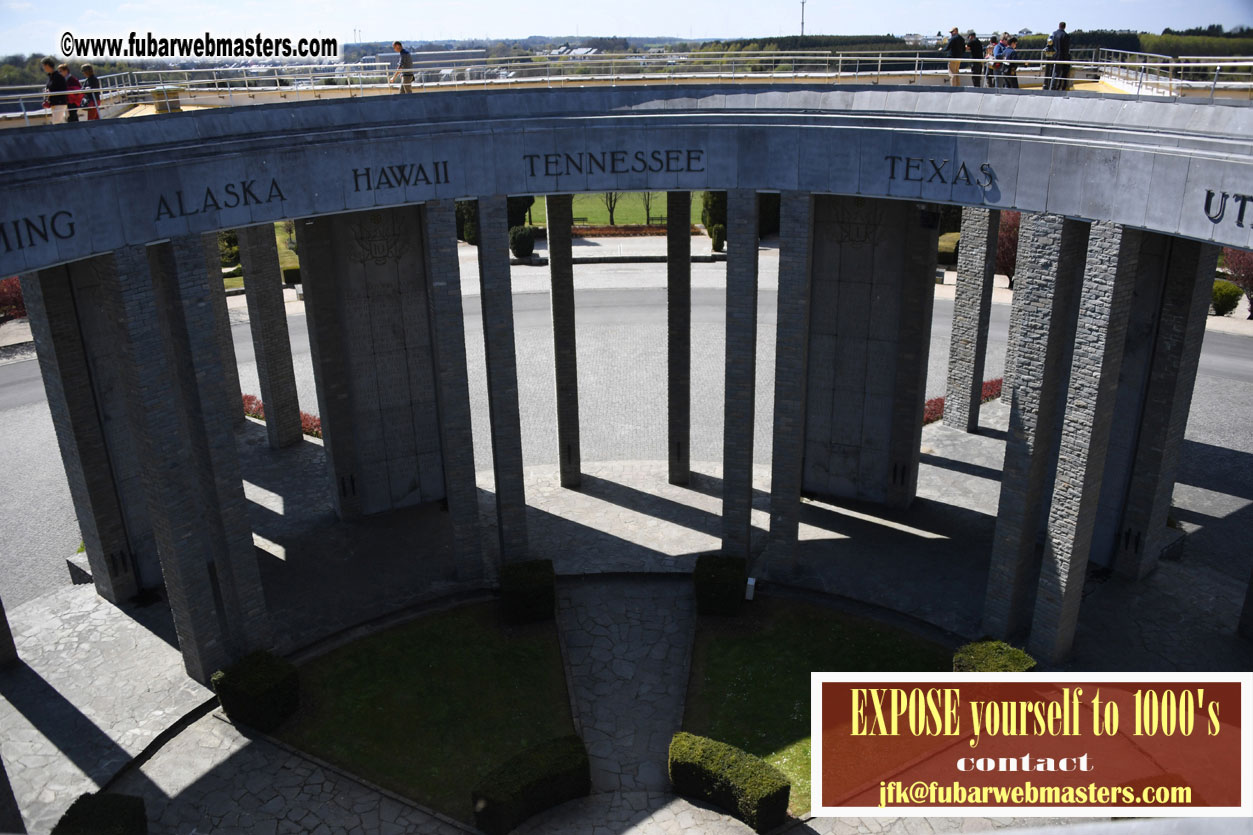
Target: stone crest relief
x,y
858,222
379,239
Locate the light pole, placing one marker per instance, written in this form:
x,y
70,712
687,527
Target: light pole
x,y
802,18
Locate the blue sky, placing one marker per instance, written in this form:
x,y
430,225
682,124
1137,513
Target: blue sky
x,y
28,26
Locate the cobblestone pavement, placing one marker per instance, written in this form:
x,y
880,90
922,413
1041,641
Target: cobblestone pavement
x,y
97,683
628,645
212,778
632,813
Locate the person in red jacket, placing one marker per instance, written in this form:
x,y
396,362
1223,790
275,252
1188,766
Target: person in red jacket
x,y
74,98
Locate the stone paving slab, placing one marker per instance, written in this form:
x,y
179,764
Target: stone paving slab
x,y
632,813
96,685
212,778
628,644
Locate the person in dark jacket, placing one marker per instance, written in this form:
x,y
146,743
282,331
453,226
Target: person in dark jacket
x,y
73,97
1056,76
91,98
55,89
1009,64
956,50
974,48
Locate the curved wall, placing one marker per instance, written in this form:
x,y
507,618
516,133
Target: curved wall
x,y
1167,166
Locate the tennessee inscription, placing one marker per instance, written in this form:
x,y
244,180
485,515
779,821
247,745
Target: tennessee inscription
x,y
621,161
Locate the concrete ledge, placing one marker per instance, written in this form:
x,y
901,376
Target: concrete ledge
x,y
80,569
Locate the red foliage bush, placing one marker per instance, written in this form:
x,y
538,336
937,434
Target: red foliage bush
x,y
991,389
933,409
11,304
309,424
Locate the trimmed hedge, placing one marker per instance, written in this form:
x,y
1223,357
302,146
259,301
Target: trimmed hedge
x,y
104,814
522,241
1225,297
742,785
542,776
528,591
260,690
718,237
991,657
720,582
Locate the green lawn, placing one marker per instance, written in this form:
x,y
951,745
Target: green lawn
x,y
287,257
429,707
750,676
629,211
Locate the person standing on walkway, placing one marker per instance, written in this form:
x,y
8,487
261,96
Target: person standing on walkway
x,y
974,48
55,89
956,49
1058,77
404,70
998,62
91,98
1009,64
73,97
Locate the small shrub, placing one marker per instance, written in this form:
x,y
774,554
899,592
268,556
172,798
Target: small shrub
x,y
311,424
718,234
104,814
468,221
1007,245
11,304
260,690
528,591
932,410
228,248
1226,297
713,209
991,657
720,582
737,782
539,778
522,241
991,389
1239,263
253,407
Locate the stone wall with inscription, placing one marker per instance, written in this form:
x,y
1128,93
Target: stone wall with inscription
x,y
873,265
370,332
1169,166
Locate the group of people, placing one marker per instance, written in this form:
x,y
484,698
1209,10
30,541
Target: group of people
x,y
67,97
997,61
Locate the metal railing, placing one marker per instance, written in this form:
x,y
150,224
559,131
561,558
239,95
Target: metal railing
x,y
171,89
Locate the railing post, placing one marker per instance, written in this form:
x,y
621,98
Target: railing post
x,y
878,73
1214,85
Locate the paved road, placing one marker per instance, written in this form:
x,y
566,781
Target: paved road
x,y
622,361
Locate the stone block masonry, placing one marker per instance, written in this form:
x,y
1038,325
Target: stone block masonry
x,y
267,317
439,225
502,376
972,311
1104,309
679,334
741,370
559,208
1051,251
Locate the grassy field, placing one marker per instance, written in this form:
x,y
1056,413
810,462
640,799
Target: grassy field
x,y
429,707
629,211
750,676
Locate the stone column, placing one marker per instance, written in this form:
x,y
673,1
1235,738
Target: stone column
x,y
181,287
679,333
791,369
972,311
559,211
78,421
1104,309
1189,274
168,463
1051,251
8,650
267,317
217,293
330,362
741,369
448,340
502,376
